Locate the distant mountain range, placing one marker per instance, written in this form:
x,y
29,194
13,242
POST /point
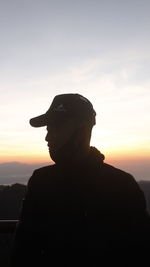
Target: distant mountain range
x,y
16,172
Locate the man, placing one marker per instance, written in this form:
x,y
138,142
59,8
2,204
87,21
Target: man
x,y
80,205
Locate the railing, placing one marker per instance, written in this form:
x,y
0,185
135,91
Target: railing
x,y
7,226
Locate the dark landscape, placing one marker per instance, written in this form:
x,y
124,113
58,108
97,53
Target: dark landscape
x,y
13,184
10,204
11,198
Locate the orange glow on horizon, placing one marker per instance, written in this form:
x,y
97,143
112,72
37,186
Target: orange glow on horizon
x,y
112,156
30,159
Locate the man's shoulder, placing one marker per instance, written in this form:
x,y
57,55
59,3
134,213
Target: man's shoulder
x,y
114,170
120,178
118,175
44,169
42,174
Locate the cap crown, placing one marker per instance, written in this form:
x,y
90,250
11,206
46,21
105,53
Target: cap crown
x,y
66,106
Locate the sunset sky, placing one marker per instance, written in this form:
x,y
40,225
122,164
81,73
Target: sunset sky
x,y
98,48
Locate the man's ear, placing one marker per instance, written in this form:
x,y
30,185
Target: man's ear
x,y
77,138
81,137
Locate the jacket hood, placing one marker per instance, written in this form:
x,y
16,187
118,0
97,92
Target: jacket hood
x,y
95,157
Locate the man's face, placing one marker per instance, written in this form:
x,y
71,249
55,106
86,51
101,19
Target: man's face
x,y
58,136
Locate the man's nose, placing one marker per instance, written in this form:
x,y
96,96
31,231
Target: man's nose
x,y
46,137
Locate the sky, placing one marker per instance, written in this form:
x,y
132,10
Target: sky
x,y
97,48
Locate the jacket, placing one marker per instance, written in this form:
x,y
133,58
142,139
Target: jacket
x,y
88,206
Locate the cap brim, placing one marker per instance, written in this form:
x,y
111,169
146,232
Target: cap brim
x,y
39,121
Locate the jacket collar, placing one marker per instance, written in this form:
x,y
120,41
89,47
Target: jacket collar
x,y
94,159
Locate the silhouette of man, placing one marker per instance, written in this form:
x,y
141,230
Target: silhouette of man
x,y
80,205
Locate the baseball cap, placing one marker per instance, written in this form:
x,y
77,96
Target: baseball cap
x,y
65,106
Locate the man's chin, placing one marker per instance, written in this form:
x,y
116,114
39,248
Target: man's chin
x,y
63,154
56,156
60,156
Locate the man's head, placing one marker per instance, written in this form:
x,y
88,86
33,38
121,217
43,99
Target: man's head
x,y
69,122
